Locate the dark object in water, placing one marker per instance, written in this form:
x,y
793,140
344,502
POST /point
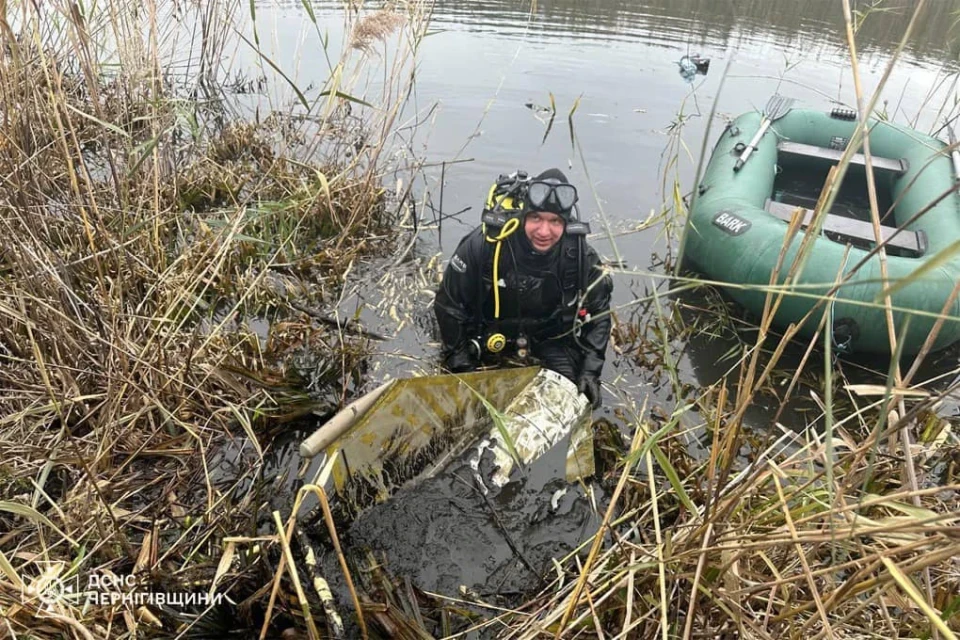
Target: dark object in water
x,y
690,66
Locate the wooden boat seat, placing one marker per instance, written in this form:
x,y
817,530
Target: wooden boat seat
x,y
914,243
895,165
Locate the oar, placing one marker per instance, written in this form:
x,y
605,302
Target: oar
x,y
776,108
955,154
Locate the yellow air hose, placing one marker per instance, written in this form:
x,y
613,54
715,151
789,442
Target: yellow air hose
x,y
511,225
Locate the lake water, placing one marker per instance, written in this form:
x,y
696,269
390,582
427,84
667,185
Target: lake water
x,y
490,58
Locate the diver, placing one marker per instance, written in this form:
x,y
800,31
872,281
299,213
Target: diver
x,y
551,300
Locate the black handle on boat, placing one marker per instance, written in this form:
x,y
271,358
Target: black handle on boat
x,y
776,108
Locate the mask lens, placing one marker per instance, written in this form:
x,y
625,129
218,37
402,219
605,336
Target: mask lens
x,y
566,195
537,194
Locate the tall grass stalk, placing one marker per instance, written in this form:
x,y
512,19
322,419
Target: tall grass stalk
x,y
875,219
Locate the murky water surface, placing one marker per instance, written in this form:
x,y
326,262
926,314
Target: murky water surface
x,y
491,63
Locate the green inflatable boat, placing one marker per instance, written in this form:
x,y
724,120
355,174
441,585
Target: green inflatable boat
x,y
751,190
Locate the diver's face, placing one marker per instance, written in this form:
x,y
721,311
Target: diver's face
x,y
543,229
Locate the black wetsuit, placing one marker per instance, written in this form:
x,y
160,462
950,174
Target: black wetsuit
x,y
538,299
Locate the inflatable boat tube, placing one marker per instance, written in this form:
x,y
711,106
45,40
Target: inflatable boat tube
x,y
737,230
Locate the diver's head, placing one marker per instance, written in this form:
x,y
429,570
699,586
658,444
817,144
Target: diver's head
x,y
549,201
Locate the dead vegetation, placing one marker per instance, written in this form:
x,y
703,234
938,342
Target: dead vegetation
x,y
374,28
153,245
843,525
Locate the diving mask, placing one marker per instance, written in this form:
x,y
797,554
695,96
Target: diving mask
x,y
550,196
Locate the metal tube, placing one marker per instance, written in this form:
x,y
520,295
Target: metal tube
x,y
753,145
340,423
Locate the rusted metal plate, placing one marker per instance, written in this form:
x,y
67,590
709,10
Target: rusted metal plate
x,y
411,427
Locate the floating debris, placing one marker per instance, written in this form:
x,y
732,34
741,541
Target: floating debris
x,y
691,66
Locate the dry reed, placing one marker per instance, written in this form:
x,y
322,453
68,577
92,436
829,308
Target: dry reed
x,y
143,223
139,231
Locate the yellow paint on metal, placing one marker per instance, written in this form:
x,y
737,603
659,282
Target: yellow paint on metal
x,y
416,421
414,411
